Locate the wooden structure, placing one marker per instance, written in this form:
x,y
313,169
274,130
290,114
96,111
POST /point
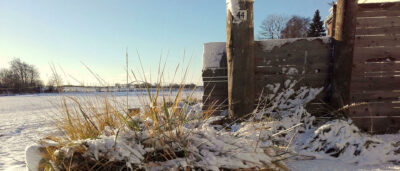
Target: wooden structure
x,y
240,57
345,27
308,61
358,65
376,68
375,76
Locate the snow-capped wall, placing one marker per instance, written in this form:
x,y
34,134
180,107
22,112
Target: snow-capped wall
x,y
212,54
268,45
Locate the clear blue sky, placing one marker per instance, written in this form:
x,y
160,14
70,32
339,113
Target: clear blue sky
x,y
97,32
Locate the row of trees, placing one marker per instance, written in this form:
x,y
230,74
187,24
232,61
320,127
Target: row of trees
x,y
280,27
20,78
150,85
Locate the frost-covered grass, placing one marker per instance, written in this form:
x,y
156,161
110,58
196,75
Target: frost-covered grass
x,y
279,131
25,119
171,131
161,137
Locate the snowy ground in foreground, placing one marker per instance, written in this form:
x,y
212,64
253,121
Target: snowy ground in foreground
x,y
332,165
25,119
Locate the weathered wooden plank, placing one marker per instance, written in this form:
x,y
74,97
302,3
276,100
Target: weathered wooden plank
x,y
377,13
375,95
266,93
379,6
298,69
375,66
218,100
215,85
276,45
373,41
240,57
381,108
388,31
215,72
216,92
319,109
378,22
366,76
375,83
216,78
302,77
294,57
383,53
378,125
345,29
315,81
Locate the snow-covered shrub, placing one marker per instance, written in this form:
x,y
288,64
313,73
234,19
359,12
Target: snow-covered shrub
x,y
179,136
341,139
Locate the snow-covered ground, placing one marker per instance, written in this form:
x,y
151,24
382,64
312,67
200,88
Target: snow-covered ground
x,y
23,120
26,119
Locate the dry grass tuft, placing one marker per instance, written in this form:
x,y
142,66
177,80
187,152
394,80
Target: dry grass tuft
x,y
88,118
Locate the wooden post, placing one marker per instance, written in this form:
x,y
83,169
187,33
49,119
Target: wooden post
x,y
345,28
240,56
333,20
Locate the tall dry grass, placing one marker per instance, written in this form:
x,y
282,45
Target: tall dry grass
x,y
81,118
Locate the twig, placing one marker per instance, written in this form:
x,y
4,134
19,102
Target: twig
x,y
287,130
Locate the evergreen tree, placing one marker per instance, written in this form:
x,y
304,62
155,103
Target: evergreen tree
x,y
316,28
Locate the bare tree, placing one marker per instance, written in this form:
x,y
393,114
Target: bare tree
x,y
271,27
21,77
296,27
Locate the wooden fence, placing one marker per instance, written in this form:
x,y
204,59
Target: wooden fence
x,y
368,74
376,68
308,61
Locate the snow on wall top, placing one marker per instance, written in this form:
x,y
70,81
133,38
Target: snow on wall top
x,y
376,1
268,45
234,7
212,54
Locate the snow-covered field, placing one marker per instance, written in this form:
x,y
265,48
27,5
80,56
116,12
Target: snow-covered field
x,y
26,119
23,120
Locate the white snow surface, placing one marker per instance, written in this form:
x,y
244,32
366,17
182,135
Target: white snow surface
x,y
270,44
212,54
26,119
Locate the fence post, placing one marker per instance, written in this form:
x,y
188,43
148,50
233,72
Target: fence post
x,y
240,56
345,28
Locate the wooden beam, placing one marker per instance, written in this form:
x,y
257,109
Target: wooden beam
x,y
240,56
346,21
334,9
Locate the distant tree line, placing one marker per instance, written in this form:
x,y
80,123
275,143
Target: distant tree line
x,y
150,85
281,27
20,77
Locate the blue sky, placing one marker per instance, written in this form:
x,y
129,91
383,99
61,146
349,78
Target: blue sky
x,y
97,32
